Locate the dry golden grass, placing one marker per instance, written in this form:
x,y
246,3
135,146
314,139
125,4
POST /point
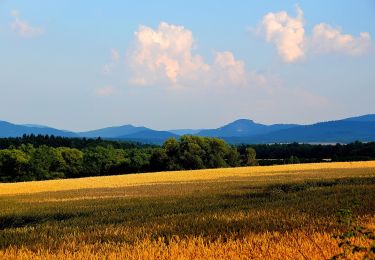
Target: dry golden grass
x,y
268,245
175,177
275,212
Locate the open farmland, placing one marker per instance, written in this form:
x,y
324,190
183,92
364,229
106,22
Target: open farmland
x,y
274,212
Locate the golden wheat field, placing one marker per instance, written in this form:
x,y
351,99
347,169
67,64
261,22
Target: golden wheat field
x,y
299,211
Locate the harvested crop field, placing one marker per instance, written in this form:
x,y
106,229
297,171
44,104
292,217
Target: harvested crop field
x,y
300,211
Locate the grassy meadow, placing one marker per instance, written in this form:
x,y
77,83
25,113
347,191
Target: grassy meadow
x,y
270,212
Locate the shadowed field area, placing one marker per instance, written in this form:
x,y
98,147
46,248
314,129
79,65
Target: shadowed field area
x,y
275,212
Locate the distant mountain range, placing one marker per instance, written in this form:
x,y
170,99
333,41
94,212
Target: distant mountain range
x,y
243,128
361,128
114,132
11,130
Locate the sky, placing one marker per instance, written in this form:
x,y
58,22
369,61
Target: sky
x,y
81,65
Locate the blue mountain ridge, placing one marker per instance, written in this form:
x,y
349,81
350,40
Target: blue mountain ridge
x,y
113,132
361,128
341,131
12,130
243,127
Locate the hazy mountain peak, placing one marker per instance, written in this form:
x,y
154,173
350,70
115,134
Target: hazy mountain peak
x,y
13,130
35,125
242,121
241,125
364,118
114,131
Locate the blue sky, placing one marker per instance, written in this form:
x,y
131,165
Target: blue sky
x,y
81,65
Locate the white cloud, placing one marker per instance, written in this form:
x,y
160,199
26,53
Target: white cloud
x,y
165,56
23,28
326,39
286,33
104,91
228,70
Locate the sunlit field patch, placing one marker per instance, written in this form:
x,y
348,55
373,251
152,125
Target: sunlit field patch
x,y
185,176
275,212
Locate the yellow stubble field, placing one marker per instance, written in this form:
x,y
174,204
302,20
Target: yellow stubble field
x,y
269,212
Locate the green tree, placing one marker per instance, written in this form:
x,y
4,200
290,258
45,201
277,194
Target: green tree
x,y
217,150
172,150
159,160
191,152
232,157
194,152
293,160
73,161
139,160
46,163
14,165
102,160
250,157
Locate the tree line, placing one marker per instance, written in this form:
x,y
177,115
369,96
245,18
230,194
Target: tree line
x,y
59,141
24,161
48,157
304,153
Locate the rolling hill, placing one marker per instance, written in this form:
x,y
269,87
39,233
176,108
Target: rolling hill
x,y
364,118
243,127
113,132
341,131
361,128
13,130
148,136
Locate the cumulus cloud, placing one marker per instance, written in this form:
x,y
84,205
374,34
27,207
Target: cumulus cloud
x,y
326,39
286,33
229,70
104,91
165,56
23,28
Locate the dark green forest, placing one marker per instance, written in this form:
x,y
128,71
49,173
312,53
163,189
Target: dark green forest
x,y
41,157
